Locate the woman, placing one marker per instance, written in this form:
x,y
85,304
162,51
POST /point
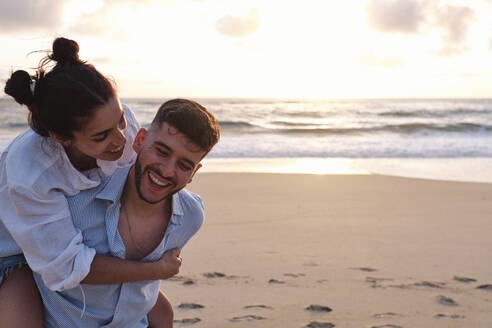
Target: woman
x,y
78,132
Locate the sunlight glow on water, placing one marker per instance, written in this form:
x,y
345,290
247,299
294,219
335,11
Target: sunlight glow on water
x,y
282,165
449,169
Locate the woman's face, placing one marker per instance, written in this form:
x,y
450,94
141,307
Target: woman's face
x,y
101,137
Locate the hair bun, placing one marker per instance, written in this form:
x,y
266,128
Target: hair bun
x,y
65,51
19,87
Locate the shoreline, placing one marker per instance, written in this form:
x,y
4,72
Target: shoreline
x,y
438,169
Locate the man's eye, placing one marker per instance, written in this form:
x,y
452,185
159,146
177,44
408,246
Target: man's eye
x,y
161,152
185,167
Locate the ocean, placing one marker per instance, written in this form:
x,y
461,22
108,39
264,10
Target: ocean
x,y
430,138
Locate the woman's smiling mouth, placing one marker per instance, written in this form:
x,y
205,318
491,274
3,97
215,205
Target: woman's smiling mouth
x,y
117,149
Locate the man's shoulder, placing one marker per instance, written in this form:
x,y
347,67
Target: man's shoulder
x,y
191,206
191,199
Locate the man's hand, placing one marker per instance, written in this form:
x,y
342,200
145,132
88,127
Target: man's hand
x,y
169,263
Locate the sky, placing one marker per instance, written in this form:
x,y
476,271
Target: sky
x,y
292,49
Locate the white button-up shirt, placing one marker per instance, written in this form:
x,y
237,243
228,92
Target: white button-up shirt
x,y
36,176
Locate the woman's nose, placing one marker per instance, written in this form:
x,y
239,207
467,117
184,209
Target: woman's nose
x,y
119,137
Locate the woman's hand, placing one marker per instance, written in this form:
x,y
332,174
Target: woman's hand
x,y
169,263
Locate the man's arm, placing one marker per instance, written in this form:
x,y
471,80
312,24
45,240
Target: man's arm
x,y
112,270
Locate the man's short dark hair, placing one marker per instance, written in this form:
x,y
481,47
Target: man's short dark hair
x,y
191,119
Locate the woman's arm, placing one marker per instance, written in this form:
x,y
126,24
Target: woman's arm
x,y
54,248
112,270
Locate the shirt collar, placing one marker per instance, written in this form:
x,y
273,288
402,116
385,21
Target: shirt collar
x,y
113,185
177,216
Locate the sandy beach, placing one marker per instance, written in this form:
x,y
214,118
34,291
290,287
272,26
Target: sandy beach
x,y
289,250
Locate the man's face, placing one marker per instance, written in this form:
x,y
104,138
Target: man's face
x,y
167,161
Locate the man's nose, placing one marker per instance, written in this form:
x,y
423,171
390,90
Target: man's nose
x,y
168,168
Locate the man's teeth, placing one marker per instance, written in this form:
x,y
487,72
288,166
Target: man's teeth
x,y
116,149
157,182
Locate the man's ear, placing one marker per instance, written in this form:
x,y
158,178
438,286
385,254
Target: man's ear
x,y
62,141
194,171
139,140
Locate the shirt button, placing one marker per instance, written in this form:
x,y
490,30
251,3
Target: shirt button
x,y
118,311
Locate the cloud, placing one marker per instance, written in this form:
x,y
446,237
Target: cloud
x,y
105,21
101,22
454,21
401,16
29,15
239,26
417,16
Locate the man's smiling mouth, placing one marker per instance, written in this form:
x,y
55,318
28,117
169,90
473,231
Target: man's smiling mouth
x,y
156,180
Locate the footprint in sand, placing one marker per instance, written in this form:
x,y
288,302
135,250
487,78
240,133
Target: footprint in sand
x,y
248,317
214,275
190,306
259,306
188,321
375,282
451,316
318,308
316,324
387,326
430,284
386,315
275,281
188,282
485,287
366,269
464,279
446,301
178,278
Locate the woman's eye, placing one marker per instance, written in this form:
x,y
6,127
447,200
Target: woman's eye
x,y
101,138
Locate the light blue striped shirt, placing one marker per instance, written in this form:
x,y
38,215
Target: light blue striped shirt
x,y
95,212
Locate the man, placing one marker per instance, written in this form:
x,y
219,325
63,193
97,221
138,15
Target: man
x,y
138,213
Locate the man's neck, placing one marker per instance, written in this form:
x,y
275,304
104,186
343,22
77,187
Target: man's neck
x,y
131,199
142,225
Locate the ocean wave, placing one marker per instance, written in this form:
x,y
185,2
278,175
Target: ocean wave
x,y
435,113
235,124
282,127
16,125
407,128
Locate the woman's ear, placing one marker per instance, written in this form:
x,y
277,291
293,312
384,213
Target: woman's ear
x,y
62,141
139,140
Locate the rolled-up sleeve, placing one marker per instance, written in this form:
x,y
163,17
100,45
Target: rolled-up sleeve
x,y
42,226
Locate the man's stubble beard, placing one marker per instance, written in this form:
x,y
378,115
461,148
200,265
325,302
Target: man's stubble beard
x,y
138,182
